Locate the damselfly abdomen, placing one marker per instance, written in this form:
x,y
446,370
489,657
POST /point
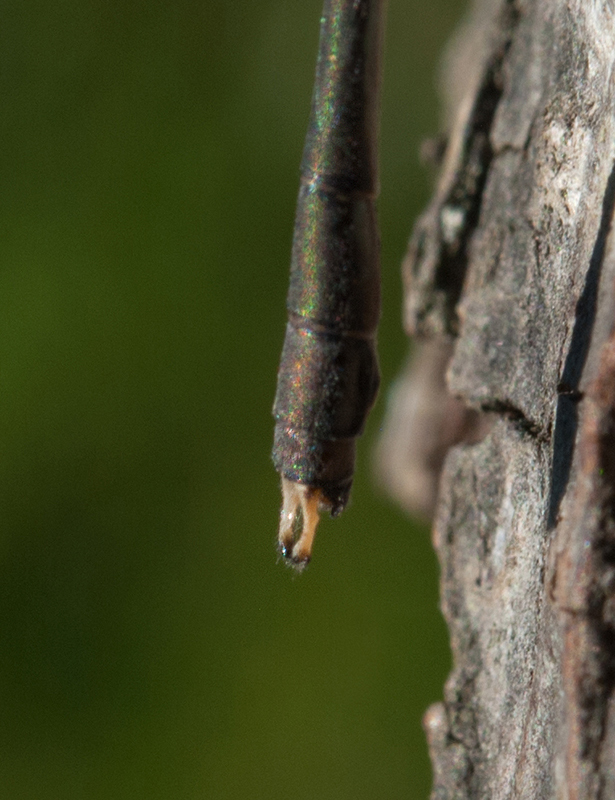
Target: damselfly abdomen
x,y
328,376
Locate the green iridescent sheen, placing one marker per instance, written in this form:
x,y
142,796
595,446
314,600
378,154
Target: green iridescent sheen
x,y
328,374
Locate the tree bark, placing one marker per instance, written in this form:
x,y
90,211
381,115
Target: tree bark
x,y
510,285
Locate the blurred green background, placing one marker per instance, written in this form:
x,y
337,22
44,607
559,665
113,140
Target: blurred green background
x,y
150,645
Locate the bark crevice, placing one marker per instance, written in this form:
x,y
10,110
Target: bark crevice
x,y
510,282
436,261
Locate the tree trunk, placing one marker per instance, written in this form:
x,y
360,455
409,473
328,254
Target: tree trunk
x,y
510,284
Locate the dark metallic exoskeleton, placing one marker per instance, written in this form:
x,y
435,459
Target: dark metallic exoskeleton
x,y
328,376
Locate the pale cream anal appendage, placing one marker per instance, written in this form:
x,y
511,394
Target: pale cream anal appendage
x,y
300,507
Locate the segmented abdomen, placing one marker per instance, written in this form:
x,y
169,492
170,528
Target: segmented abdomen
x,y
328,376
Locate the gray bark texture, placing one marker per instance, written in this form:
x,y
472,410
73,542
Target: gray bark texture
x,y
510,403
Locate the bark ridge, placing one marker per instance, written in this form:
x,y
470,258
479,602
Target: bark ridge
x,y
510,274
